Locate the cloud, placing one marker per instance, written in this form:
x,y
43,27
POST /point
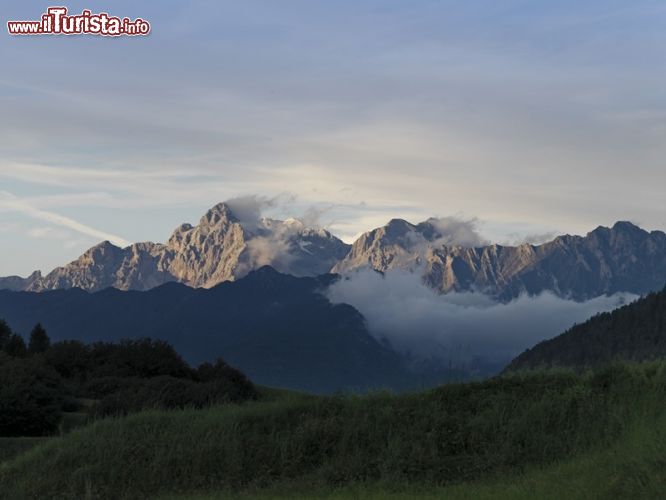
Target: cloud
x,y
419,118
49,233
456,231
249,209
120,187
270,240
312,216
272,249
10,202
459,327
510,112
66,238
515,239
275,242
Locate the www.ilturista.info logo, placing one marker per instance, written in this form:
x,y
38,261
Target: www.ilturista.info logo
x,y
56,21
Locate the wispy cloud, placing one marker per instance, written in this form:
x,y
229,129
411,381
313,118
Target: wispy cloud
x,y
113,187
65,237
12,203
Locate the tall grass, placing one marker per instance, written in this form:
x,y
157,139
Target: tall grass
x,y
448,435
10,447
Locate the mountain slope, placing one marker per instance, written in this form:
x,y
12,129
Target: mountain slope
x,y
220,248
635,332
276,328
623,258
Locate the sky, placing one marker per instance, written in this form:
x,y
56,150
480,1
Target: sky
x,y
532,117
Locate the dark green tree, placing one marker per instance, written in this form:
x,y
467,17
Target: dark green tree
x,y
5,334
31,396
70,358
15,346
39,340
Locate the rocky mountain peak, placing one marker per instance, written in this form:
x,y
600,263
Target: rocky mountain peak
x,y
623,238
35,275
629,229
295,223
219,248
397,228
220,214
620,228
103,250
624,225
104,246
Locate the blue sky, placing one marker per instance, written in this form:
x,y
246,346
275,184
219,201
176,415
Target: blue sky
x,y
536,117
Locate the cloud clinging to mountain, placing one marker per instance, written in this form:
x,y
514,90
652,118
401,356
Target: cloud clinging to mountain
x,y
459,326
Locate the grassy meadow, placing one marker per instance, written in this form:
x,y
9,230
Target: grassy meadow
x,y
537,435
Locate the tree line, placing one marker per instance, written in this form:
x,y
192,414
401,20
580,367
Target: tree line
x,y
41,381
13,344
635,332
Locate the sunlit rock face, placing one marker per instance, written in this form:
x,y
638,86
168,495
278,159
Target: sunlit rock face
x,y
219,248
623,258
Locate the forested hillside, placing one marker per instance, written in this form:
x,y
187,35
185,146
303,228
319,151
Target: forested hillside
x,y
635,332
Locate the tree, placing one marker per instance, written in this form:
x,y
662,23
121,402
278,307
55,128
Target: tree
x,y
39,340
31,396
70,358
143,358
5,334
15,346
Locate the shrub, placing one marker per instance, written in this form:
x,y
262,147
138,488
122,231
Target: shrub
x,y
31,396
143,358
170,393
226,379
70,358
101,387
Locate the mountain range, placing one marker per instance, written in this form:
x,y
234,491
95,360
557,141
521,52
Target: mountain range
x,y
219,248
222,247
624,258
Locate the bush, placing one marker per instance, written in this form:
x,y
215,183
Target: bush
x,y
143,358
228,380
98,388
71,359
170,393
31,397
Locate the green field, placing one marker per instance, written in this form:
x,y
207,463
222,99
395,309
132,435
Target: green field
x,y
634,467
541,435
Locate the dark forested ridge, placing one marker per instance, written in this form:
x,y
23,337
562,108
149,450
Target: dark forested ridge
x,y
635,332
274,327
